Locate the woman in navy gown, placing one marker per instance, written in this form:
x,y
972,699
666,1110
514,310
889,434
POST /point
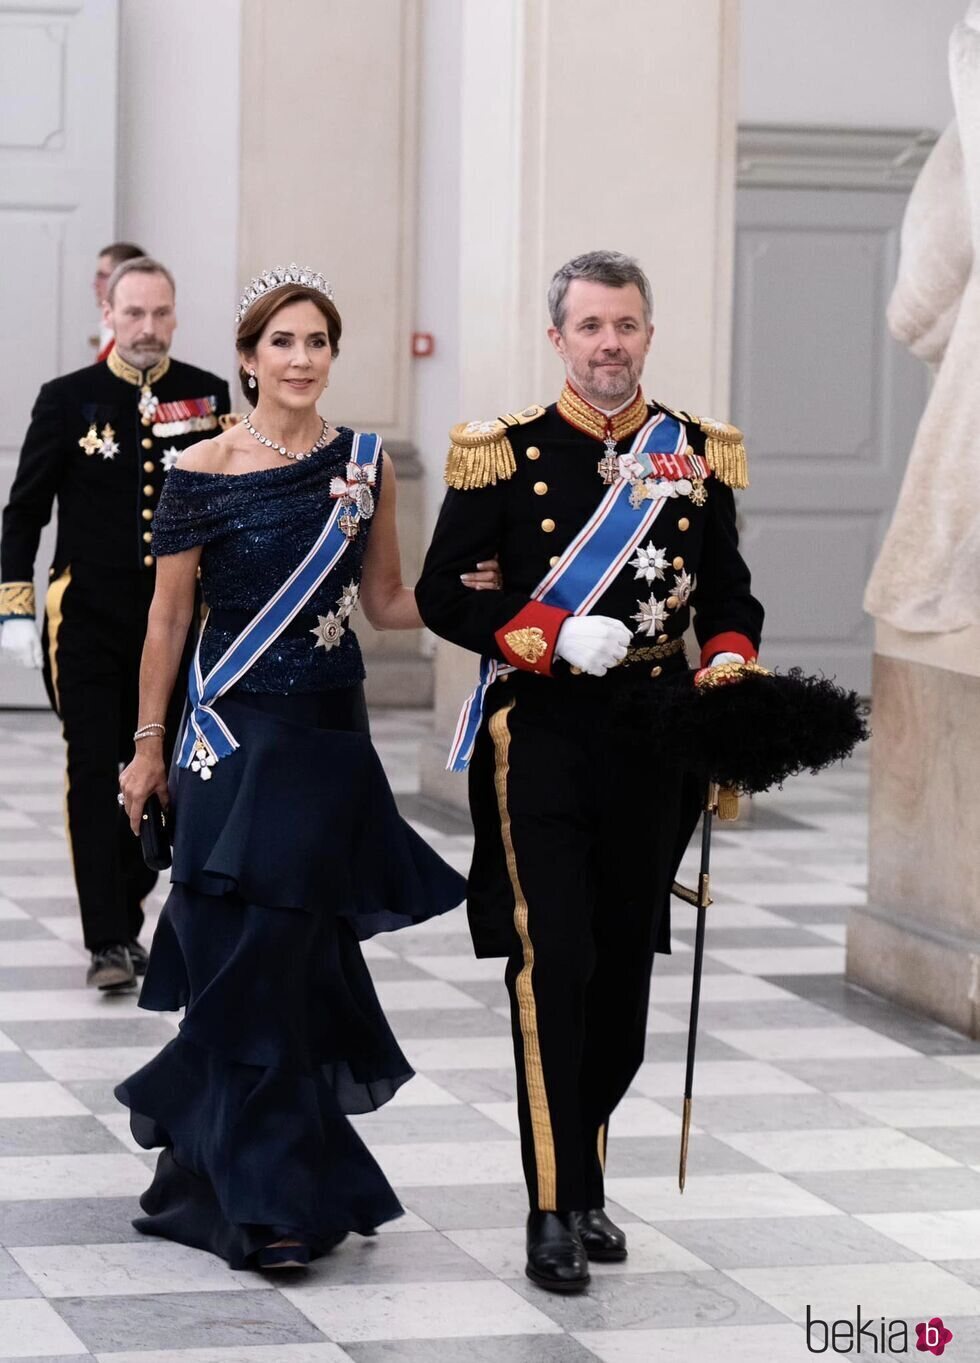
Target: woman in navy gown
x,y
289,849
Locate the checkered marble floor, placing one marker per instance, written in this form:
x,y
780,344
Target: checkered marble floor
x,y
835,1158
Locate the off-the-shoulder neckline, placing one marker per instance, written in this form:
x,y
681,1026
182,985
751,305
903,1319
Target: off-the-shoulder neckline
x,y
277,469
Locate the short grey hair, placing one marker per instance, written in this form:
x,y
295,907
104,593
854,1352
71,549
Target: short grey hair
x,y
138,265
601,267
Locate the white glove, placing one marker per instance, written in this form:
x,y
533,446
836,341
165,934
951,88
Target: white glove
x,y
720,658
21,642
593,643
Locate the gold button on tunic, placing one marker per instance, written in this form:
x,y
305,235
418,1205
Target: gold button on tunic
x,y
547,525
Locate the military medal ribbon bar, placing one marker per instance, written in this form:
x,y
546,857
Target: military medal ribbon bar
x,y
184,408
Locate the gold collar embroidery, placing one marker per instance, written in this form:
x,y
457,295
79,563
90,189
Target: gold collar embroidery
x,y
584,417
130,374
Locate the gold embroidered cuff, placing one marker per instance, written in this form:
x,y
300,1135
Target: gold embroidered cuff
x,y
725,673
16,600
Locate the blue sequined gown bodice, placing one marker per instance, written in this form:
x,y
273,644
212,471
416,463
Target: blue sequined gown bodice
x,y
255,528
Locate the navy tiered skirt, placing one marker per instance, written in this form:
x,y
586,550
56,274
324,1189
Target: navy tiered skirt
x,y
284,861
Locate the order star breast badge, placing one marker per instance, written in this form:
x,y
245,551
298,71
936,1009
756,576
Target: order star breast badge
x,y
169,458
329,631
651,616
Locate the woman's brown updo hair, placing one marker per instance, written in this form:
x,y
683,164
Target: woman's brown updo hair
x,y
255,321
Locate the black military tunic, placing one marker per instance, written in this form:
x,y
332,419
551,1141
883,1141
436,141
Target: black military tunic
x,y
100,443
578,836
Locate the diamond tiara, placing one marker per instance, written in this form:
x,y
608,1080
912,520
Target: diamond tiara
x,y
275,279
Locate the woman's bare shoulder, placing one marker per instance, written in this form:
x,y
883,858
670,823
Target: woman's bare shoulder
x,y
207,456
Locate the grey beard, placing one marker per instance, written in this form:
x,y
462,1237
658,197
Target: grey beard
x,y
611,391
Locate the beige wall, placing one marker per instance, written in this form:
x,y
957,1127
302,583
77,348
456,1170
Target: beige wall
x,y
328,178
179,107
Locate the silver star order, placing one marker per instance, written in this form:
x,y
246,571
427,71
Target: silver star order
x,y
651,616
169,458
650,563
683,586
348,600
329,631
109,448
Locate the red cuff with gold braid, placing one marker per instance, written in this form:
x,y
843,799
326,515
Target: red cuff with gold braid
x,y
730,642
528,640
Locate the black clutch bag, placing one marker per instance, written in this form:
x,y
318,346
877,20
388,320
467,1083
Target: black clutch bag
x,y
155,830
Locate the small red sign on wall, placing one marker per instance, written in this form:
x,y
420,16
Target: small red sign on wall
x,y
423,344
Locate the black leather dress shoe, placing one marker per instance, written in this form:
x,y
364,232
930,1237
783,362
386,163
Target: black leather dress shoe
x,y
139,957
556,1258
604,1242
112,968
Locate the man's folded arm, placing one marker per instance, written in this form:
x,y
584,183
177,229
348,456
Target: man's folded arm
x,y
506,625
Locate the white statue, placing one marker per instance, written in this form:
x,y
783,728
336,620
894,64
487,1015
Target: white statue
x,y
927,576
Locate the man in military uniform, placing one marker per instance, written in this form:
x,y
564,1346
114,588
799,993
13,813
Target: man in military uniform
x,y
614,518
100,442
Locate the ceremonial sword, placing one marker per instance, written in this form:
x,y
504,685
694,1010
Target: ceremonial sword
x,y
701,899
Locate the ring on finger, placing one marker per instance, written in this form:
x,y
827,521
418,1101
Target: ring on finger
x,y
121,800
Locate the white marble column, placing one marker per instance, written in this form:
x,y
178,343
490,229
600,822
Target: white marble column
x,y
585,126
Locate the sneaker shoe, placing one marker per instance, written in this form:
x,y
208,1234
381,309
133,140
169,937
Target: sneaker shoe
x,y
139,956
112,968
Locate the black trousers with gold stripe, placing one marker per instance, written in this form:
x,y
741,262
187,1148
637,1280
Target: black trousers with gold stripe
x,y
589,838
94,626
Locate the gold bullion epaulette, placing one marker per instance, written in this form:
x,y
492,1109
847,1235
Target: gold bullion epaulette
x,y
724,447
481,452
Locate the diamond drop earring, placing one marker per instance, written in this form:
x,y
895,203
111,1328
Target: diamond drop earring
x,y
251,378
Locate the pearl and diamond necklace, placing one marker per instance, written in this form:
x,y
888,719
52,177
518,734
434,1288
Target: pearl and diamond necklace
x,y
322,440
